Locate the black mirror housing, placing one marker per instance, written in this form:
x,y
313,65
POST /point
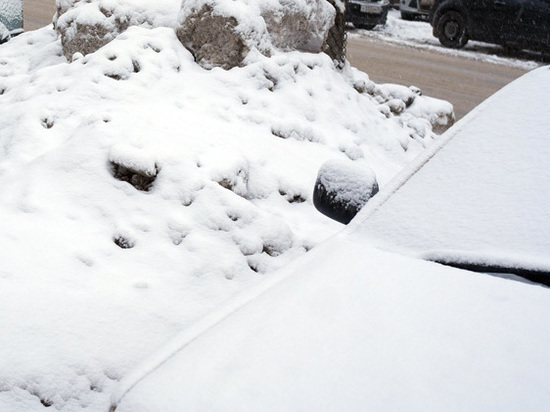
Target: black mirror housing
x,y
342,188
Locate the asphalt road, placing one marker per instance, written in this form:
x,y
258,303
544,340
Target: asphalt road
x,y
463,82
37,13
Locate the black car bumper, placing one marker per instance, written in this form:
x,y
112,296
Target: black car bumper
x,y
366,13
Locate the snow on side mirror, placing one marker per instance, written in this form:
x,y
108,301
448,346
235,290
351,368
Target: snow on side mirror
x,y
342,188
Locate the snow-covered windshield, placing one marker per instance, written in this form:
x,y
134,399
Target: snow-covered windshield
x,y
484,198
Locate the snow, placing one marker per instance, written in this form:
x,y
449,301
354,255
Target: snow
x,y
349,327
494,167
353,327
133,12
348,183
97,272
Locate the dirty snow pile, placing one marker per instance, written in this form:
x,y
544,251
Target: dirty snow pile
x,y
139,191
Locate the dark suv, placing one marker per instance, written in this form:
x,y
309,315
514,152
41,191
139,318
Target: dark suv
x,y
514,24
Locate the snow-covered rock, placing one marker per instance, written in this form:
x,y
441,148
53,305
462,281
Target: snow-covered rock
x,y
217,32
298,24
86,26
223,32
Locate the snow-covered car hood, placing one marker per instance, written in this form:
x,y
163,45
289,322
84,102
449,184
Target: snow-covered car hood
x,y
352,327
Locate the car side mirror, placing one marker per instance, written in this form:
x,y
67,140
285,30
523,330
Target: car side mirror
x,y
342,188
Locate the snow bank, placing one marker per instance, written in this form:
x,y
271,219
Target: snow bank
x,y
98,267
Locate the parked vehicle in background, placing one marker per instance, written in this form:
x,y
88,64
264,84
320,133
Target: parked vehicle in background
x,y
367,14
415,9
11,19
515,24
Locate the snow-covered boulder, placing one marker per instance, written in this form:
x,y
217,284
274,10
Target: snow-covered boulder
x,y
85,26
217,32
222,32
298,24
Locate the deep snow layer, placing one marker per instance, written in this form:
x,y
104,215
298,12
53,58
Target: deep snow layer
x,y
95,274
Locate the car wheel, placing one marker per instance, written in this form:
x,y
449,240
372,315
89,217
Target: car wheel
x,y
452,30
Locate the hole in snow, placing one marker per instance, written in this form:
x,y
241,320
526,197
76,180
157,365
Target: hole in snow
x,y
124,243
140,179
155,48
115,76
253,267
292,197
46,402
47,123
107,13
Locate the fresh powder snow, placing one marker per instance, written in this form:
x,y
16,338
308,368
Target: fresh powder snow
x,y
140,191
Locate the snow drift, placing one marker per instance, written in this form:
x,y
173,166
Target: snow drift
x,y
139,191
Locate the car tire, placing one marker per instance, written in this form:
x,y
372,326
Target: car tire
x,y
452,30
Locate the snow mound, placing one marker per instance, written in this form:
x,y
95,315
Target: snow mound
x,y
139,191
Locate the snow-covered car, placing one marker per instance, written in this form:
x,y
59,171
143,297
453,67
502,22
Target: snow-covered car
x,y
515,24
415,9
376,318
367,14
11,19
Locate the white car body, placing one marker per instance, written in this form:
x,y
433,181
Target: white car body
x,y
363,322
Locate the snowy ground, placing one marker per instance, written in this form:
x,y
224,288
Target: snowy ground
x,y
418,34
140,191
